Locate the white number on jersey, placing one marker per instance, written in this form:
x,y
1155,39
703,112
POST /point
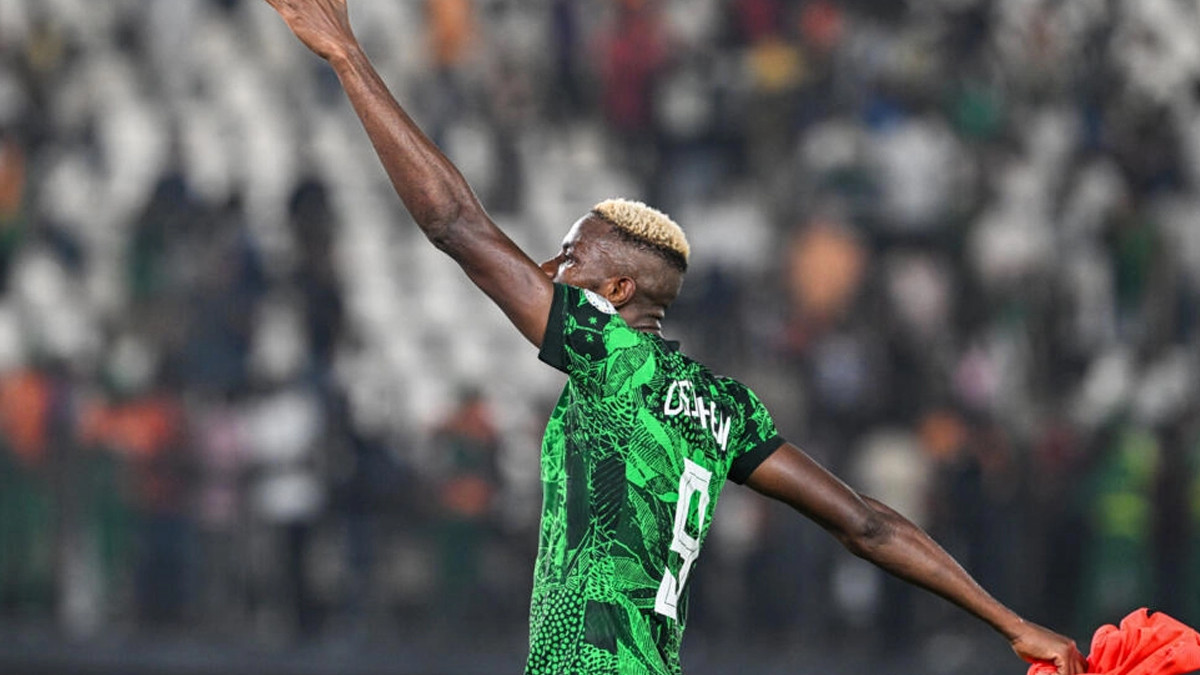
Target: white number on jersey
x,y
694,481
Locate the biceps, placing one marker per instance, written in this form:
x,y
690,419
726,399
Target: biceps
x,y
792,477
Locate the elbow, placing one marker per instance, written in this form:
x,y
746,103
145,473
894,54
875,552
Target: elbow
x,y
868,534
441,227
451,229
442,236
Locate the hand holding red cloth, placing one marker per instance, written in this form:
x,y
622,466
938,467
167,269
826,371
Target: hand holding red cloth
x,y
1145,644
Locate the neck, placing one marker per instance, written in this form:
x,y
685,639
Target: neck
x,y
646,320
648,326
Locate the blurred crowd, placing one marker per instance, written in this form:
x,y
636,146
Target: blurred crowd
x,y
954,245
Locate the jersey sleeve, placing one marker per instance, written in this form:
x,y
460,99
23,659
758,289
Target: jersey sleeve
x,y
757,437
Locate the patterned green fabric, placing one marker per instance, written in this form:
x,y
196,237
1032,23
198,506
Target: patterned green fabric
x,y
638,424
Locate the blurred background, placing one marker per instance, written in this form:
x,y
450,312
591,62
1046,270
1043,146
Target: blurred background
x,y
250,421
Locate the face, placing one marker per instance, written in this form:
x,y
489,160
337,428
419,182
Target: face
x,y
582,261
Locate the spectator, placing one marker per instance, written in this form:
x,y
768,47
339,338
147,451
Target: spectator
x,y
465,448
998,224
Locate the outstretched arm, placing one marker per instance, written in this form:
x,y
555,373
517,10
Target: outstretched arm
x,y
876,533
432,189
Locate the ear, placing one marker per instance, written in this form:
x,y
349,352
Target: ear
x,y
620,290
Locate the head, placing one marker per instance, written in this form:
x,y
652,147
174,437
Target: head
x,y
626,251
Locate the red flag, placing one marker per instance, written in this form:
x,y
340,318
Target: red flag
x,y
1145,644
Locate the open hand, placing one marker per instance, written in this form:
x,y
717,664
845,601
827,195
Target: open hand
x,y
322,25
1035,643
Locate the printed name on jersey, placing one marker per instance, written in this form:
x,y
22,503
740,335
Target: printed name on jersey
x,y
682,399
600,302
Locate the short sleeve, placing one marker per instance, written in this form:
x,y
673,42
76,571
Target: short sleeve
x,y
758,437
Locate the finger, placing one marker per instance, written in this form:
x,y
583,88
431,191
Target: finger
x,y
1077,661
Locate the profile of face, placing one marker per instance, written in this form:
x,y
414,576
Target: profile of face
x,y
594,256
584,259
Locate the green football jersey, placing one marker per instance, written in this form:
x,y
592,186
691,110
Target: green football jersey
x,y
633,460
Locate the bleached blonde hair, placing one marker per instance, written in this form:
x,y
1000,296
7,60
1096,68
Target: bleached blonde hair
x,y
647,225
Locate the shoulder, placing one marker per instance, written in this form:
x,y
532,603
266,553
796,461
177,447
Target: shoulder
x,y
574,298
580,307
585,329
737,393
585,312
725,383
598,302
718,386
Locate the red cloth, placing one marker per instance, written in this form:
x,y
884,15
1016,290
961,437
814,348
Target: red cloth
x,y
1145,644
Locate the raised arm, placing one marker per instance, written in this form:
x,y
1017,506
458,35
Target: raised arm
x,y
876,533
432,189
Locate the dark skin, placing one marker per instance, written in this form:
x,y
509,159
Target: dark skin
x,y
640,285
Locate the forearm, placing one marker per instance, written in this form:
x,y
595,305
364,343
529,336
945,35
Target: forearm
x,y
432,189
905,550
877,533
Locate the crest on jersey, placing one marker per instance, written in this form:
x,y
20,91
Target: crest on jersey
x,y
599,302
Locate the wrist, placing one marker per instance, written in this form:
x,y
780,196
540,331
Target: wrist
x,y
346,57
1011,626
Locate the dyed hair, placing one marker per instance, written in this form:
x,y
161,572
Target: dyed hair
x,y
647,227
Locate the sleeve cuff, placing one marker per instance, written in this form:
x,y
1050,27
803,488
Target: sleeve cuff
x,y
744,465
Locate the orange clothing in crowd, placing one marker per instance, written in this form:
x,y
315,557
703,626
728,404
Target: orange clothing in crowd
x,y
24,412
451,30
143,428
1145,644
12,178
